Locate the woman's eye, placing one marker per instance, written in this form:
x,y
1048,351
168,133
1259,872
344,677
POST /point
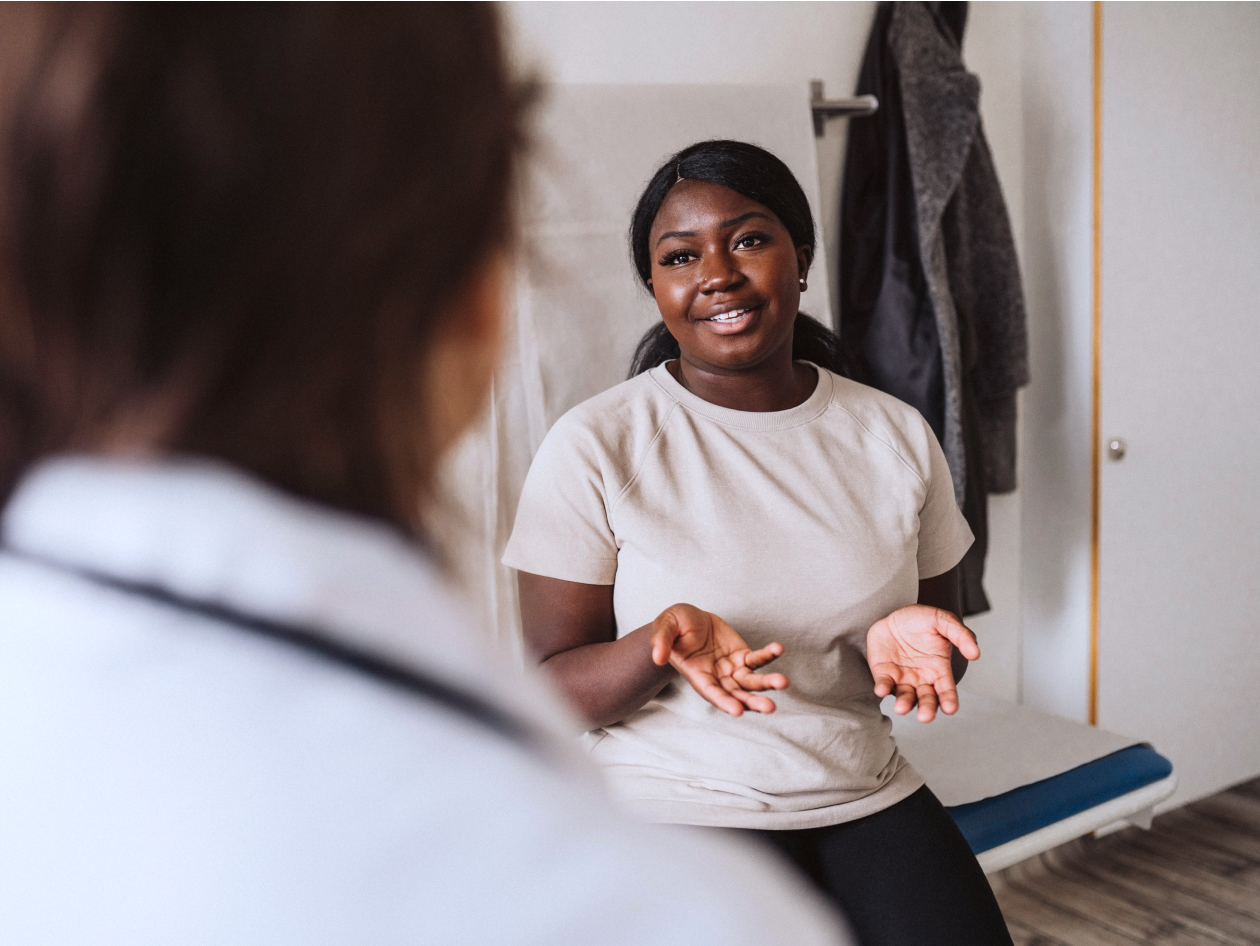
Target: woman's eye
x,y
673,259
749,240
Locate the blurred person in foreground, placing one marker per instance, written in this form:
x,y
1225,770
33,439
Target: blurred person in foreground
x,y
251,265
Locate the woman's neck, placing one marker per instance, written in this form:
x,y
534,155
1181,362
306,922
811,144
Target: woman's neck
x,y
779,384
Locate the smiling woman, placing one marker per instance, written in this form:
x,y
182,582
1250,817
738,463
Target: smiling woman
x,y
727,279
770,199
737,503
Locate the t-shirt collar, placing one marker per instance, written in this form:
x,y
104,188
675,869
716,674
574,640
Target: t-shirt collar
x,y
803,413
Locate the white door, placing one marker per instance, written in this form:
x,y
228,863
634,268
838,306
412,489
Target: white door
x,y
1179,606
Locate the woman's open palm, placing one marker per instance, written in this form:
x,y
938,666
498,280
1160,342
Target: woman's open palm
x,y
909,654
714,659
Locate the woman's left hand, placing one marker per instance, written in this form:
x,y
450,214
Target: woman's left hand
x,y
909,654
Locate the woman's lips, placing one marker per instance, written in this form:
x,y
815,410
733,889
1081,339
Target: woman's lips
x,y
728,323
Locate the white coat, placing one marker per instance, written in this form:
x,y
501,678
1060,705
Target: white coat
x,y
170,778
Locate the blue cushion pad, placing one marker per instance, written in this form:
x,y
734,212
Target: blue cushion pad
x,y
993,821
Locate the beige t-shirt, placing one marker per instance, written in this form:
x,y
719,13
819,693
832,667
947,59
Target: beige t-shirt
x,y
804,526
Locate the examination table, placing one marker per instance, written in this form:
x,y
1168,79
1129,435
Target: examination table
x,y
1019,781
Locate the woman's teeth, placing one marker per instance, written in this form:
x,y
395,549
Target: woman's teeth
x,y
729,316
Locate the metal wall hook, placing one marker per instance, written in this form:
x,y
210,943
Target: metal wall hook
x,y
825,108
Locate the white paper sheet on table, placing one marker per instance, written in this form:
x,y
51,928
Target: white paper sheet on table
x,y
579,310
991,746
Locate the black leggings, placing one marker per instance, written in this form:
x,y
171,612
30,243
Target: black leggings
x,y
904,876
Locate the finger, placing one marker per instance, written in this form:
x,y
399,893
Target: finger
x,y
664,633
755,702
734,677
884,685
748,680
721,699
708,688
761,657
958,634
905,699
927,703
948,696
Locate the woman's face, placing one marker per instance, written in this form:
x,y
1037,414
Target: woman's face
x,y
726,277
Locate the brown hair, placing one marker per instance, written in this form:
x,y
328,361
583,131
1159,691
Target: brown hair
x,y
255,212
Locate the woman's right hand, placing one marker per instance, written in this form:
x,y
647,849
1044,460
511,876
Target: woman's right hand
x,y
715,660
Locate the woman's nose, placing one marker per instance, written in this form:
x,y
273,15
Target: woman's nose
x,y
719,274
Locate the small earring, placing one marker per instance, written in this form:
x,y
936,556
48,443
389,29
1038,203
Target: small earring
x,y
802,284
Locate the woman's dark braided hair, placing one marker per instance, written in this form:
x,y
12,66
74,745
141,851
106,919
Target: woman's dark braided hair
x,y
758,175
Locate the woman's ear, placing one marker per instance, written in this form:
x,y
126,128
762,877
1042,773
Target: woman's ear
x,y
804,258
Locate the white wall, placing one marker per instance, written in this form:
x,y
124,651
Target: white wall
x,y
992,50
1057,103
776,43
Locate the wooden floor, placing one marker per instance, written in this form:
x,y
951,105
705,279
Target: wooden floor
x,y
1193,879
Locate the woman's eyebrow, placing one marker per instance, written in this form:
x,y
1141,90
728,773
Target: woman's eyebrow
x,y
723,225
675,233
742,217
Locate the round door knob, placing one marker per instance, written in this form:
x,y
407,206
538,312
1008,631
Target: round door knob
x,y
1116,448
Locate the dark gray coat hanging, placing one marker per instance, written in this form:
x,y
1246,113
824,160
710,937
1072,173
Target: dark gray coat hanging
x,y
931,304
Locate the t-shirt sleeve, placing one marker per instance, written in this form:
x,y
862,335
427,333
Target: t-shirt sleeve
x,y
944,535
562,528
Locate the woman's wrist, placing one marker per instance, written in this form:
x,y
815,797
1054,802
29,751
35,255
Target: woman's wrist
x,y
606,682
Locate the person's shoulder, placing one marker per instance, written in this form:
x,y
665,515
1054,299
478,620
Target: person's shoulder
x,y
882,417
613,427
631,401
